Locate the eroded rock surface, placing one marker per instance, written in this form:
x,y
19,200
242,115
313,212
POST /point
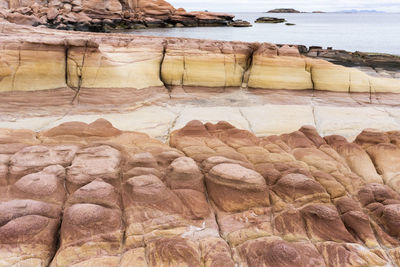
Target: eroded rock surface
x,y
89,194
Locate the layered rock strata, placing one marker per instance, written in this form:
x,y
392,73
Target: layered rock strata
x,y
89,15
217,195
44,59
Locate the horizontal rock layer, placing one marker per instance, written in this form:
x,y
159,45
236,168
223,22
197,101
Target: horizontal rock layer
x,y
38,59
90,194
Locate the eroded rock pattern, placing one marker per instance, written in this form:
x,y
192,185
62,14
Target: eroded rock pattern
x,y
89,194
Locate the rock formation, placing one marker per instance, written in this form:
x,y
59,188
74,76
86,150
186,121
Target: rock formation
x,y
216,196
82,191
269,20
93,15
77,60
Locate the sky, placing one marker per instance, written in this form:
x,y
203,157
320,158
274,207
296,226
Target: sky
x,y
302,5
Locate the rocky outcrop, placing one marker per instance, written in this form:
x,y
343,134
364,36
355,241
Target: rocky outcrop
x,y
283,10
217,195
93,15
43,59
269,20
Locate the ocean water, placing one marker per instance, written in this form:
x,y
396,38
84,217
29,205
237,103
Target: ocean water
x,y
367,32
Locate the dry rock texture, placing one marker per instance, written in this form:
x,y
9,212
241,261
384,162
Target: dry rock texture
x,y
89,194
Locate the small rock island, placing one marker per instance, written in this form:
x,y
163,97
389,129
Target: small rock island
x,y
270,20
283,10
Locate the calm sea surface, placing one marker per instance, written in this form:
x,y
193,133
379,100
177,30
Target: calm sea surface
x,y
368,32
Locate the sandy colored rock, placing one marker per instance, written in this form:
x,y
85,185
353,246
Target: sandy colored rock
x,y
272,71
93,67
205,63
36,60
30,67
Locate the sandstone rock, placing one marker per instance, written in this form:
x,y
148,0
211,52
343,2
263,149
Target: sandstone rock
x,y
385,158
384,205
93,163
208,63
324,224
91,68
349,255
35,158
30,215
226,198
22,19
270,71
277,252
92,226
235,188
32,67
136,62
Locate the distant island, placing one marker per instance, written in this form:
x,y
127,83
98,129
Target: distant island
x,y
359,11
290,10
283,10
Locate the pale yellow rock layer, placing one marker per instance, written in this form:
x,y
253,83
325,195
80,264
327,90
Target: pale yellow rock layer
x,y
45,59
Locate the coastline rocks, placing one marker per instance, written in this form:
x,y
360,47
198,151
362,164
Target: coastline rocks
x,y
269,20
240,23
94,68
101,15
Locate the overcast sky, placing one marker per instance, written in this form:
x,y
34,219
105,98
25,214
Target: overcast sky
x,y
302,5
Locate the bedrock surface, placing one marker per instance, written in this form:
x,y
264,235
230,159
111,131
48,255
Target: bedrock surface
x,y
40,59
157,85
90,194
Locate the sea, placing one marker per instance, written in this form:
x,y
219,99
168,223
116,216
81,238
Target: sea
x,y
366,32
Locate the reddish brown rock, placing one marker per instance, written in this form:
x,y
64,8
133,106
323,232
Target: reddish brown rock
x,y
35,158
383,205
92,163
149,13
277,252
92,225
324,224
350,255
221,197
235,188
